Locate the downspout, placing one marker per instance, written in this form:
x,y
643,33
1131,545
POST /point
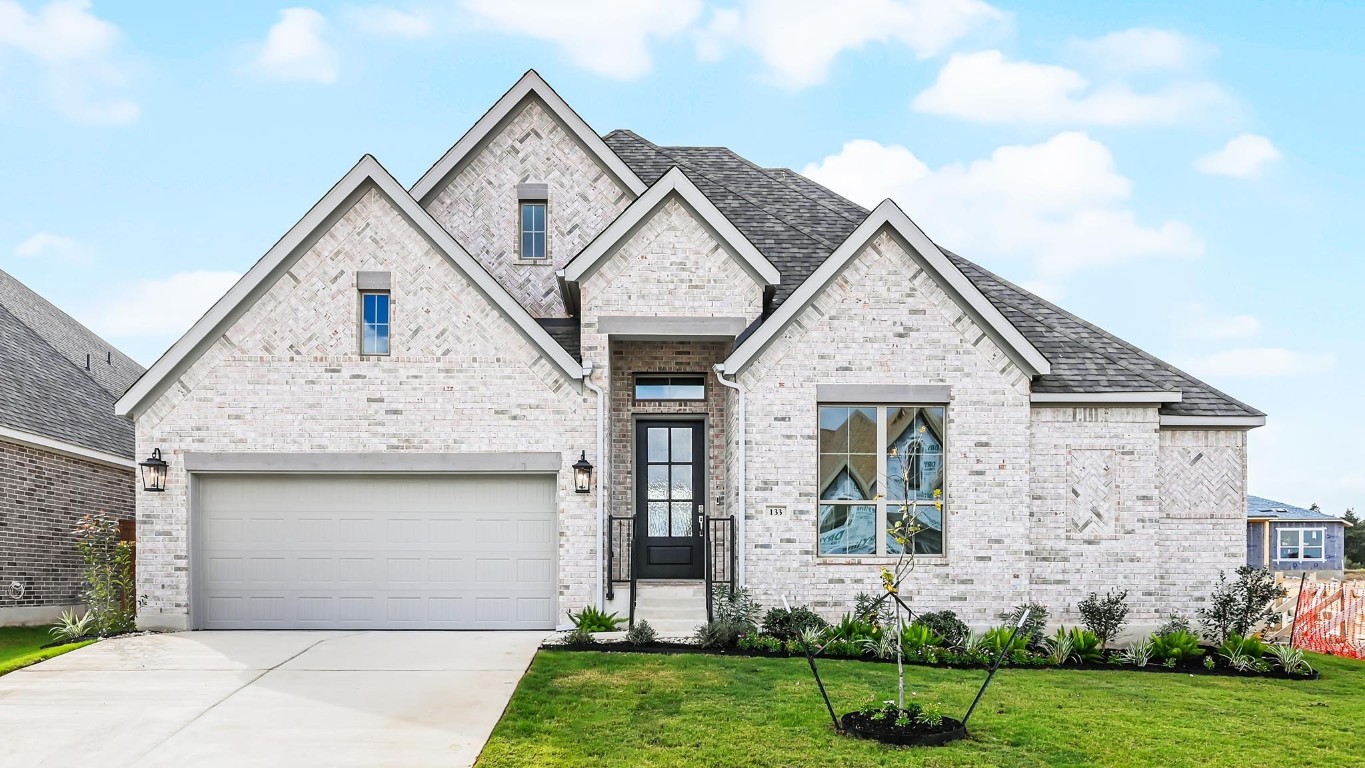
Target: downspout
x,y
739,536
601,472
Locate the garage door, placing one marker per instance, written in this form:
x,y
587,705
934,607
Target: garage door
x,y
374,552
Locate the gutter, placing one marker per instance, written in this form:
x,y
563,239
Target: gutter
x,y
740,486
601,487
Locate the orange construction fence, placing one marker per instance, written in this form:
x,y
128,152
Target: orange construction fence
x,y
1330,618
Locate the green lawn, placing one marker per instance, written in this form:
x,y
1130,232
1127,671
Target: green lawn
x,y
22,646
597,709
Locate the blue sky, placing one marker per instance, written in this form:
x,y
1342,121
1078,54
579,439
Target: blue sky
x,y
1186,175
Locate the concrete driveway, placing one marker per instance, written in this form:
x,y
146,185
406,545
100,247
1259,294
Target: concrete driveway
x,y
264,699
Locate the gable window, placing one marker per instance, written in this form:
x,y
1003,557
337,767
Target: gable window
x,y
685,386
533,229
879,464
1301,543
374,323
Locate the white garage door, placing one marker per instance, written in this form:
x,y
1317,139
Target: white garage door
x,y
374,552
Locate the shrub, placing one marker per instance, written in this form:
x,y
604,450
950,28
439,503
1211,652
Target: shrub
x,y
73,626
592,620
917,636
997,641
736,607
579,636
843,649
854,630
108,574
1139,653
1239,607
761,643
719,634
641,634
1290,659
1242,653
1035,629
1085,646
1177,647
946,625
883,646
1105,616
1174,623
879,616
786,624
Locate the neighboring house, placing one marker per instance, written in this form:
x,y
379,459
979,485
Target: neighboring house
x,y
63,452
378,425
1283,537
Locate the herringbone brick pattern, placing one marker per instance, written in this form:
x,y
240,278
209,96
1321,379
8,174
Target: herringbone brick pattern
x,y
1090,507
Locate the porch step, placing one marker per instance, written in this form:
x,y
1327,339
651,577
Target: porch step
x,y
672,608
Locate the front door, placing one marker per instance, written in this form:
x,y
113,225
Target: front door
x,y
670,473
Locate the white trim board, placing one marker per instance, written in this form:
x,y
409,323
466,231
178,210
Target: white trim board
x,y
530,83
68,449
1103,398
674,182
337,200
945,273
1214,422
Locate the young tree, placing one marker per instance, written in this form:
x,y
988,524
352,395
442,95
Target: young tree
x,y
1355,540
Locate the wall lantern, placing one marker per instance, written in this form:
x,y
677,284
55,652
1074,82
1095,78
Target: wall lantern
x,y
154,472
582,473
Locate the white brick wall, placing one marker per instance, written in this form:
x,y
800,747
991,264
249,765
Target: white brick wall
x,y
286,377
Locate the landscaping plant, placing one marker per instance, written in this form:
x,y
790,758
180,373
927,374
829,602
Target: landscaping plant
x,y
1139,653
786,624
719,634
1290,659
1059,650
1105,616
946,625
1174,624
640,634
1034,630
918,636
735,607
109,589
1242,653
1085,646
73,626
592,620
1177,647
867,608
1239,607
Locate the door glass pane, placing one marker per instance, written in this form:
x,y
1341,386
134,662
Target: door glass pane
x,y
682,518
658,518
682,444
658,443
682,481
657,479
848,529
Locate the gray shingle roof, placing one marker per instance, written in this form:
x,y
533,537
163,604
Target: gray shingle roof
x,y
796,223
43,391
1261,508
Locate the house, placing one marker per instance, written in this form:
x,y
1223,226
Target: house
x,y
1283,537
386,421
63,451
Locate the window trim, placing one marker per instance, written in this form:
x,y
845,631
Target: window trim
x,y
635,387
544,232
360,322
1299,545
881,502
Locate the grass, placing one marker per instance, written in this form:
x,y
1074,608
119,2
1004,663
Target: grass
x,y
596,709
22,646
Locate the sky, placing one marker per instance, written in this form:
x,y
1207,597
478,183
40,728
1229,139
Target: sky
x,y
1188,176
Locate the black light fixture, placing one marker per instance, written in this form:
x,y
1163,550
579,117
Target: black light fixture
x,y
582,473
154,472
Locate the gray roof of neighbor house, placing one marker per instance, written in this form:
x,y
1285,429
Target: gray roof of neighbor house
x,y
45,388
1266,509
797,224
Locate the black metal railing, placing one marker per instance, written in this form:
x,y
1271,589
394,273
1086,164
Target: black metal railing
x,y
718,547
621,558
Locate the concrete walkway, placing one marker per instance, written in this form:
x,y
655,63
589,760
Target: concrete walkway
x,y
264,699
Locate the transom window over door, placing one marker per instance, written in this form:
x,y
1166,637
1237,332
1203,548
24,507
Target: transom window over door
x,y
878,464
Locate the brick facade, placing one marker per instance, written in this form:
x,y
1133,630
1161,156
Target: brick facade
x,y
42,497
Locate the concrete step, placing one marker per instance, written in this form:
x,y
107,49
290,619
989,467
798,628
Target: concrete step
x,y
670,628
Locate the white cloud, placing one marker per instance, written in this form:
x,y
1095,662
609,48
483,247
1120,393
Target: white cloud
x,y
1241,158
1260,362
798,40
985,87
1143,49
44,245
1059,205
296,48
163,308
389,22
1199,322
78,54
607,37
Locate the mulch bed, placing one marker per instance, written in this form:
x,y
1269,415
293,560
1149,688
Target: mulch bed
x,y
689,648
865,726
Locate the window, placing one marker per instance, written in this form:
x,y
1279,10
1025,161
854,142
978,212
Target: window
x,y
533,230
1301,543
879,463
671,387
374,323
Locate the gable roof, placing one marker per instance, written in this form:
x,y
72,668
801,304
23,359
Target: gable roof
x,y
366,174
49,401
888,216
673,182
797,223
1259,508
530,84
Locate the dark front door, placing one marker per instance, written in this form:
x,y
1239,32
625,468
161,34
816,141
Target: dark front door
x,y
670,473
